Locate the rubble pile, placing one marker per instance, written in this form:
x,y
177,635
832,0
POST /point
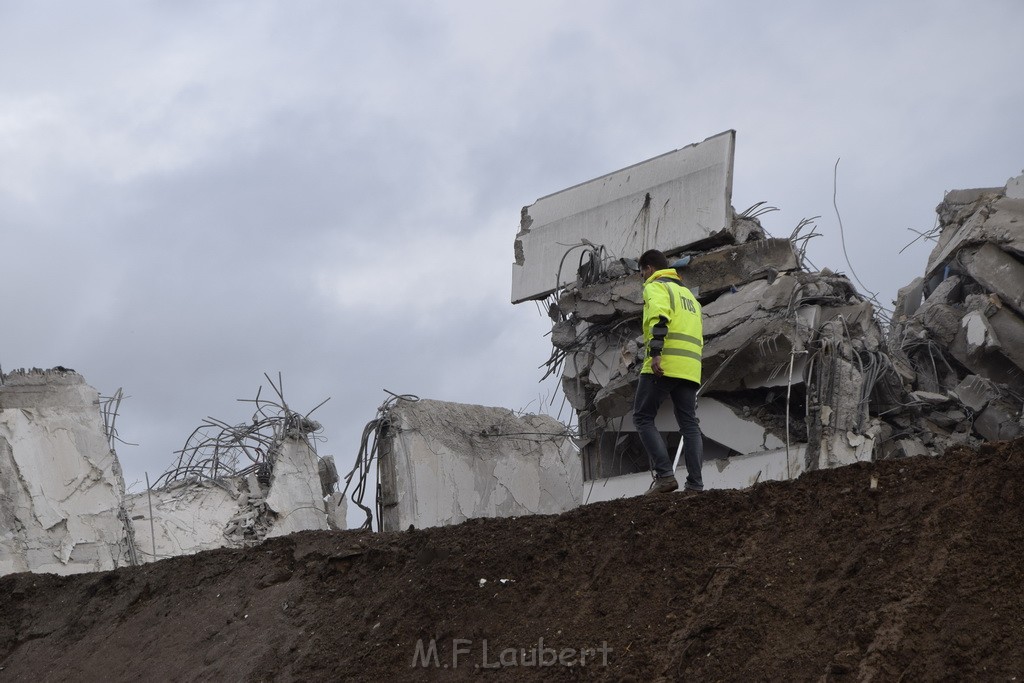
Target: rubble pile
x,y
957,335
790,356
800,369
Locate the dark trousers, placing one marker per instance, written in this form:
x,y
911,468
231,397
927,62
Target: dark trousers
x,y
650,393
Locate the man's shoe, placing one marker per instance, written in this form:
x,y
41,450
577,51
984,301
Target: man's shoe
x,y
663,485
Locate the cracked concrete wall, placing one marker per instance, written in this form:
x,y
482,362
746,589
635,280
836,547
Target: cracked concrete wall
x,y
61,487
442,463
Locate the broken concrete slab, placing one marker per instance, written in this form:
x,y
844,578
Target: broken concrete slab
x,y
1001,223
720,422
750,299
442,463
604,301
676,200
999,421
720,269
751,350
975,392
996,271
1009,330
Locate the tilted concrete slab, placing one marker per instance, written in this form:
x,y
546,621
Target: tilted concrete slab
x,y
1003,226
718,270
443,463
673,201
749,352
749,300
996,271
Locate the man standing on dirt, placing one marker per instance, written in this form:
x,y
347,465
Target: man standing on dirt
x,y
673,339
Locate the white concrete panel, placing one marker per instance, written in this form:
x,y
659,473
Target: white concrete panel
x,y
668,202
451,462
737,472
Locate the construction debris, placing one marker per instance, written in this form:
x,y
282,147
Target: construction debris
x,y
800,370
958,331
64,508
442,463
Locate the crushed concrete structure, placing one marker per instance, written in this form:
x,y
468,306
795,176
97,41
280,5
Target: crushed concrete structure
x,y
957,336
798,371
63,507
442,463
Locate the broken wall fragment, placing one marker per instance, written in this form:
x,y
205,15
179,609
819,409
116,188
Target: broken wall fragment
x,y
442,463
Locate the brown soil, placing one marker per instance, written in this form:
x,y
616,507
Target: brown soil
x,y
823,578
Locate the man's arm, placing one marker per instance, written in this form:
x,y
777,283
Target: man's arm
x,y
658,333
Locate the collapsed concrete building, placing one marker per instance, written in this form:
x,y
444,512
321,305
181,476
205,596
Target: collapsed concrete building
x,y
63,505
799,372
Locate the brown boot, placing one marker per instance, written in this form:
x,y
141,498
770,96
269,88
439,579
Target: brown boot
x,y
663,485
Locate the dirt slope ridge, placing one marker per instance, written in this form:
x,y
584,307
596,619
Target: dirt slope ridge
x,y
821,578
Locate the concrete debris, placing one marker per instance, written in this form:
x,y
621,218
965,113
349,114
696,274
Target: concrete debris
x,y
61,489
64,510
795,362
681,198
966,340
442,463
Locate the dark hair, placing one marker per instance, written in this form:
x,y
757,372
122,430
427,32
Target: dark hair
x,y
653,257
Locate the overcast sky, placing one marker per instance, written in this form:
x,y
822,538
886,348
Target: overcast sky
x,y
195,193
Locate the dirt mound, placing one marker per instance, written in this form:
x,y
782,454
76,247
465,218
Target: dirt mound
x,y
823,578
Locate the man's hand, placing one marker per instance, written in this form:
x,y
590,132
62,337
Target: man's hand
x,y
656,366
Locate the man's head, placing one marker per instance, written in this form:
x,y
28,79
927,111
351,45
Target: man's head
x,y
650,261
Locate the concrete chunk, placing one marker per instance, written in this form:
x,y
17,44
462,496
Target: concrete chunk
x,y
605,301
673,201
999,421
1002,224
749,300
975,392
718,270
720,422
997,272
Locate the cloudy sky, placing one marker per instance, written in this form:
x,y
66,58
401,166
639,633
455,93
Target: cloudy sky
x,y
195,193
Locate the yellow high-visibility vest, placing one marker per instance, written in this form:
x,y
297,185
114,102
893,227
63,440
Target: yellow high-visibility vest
x,y
666,298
